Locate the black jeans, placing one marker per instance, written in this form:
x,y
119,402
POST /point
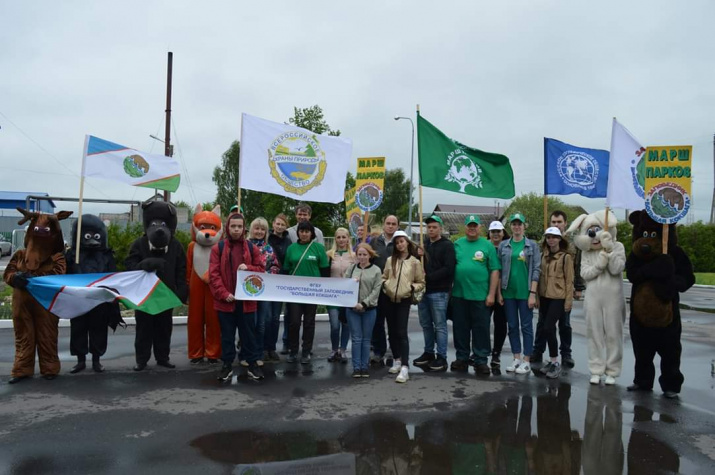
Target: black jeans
x,y
499,318
565,335
245,323
664,341
397,315
552,311
379,339
470,329
153,331
296,313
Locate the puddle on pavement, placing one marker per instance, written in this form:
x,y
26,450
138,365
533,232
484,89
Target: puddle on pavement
x,y
550,433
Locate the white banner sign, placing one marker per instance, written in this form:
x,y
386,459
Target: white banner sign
x,y
290,288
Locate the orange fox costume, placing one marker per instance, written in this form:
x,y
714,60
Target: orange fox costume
x,y
203,326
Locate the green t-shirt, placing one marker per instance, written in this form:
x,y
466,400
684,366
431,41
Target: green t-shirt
x,y
310,266
475,262
518,286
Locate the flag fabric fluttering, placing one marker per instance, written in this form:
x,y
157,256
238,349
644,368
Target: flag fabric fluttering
x,y
626,171
294,162
71,295
450,165
569,169
111,161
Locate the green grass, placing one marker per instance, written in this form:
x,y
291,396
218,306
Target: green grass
x,y
705,278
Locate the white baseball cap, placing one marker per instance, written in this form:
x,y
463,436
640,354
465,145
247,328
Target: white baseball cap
x,y
400,233
554,231
496,226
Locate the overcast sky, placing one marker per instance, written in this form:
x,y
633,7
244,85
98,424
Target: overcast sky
x,y
496,75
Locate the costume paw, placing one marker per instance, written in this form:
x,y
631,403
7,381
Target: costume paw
x,y
606,241
19,280
151,264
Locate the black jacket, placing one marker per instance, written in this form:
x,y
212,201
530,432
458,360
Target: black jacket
x,y
172,271
440,261
280,245
383,250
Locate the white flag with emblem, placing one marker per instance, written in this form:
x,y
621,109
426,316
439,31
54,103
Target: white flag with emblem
x,y
625,170
291,161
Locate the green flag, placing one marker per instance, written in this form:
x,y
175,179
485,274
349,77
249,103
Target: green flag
x,y
449,165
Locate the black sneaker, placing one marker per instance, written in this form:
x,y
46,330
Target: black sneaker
x,y
546,368
273,356
536,358
285,350
357,373
196,360
305,358
226,373
424,360
482,369
496,362
292,358
567,361
364,374
438,364
554,372
255,372
212,361
459,366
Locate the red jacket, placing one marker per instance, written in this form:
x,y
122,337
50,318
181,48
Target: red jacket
x,y
222,275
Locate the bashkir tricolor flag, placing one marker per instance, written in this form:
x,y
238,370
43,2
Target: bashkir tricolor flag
x,y
72,295
290,161
449,165
111,161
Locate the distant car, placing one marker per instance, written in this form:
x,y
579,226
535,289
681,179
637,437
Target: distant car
x,y
5,247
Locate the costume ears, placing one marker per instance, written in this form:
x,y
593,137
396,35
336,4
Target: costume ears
x,y
576,224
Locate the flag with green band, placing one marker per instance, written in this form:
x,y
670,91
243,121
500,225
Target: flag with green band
x,y
449,165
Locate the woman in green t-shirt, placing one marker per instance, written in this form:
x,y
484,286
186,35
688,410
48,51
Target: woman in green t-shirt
x,y
521,264
306,258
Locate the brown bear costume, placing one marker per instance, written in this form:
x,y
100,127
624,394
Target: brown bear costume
x,y
35,327
655,326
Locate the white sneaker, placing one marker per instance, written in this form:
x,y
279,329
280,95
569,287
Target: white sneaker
x,y
259,362
244,363
513,366
524,368
396,366
595,379
404,375
610,380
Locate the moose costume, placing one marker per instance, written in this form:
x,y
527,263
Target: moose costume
x,y
655,326
602,263
35,327
89,331
203,325
157,251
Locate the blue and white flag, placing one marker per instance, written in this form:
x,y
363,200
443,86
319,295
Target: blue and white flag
x,y
569,169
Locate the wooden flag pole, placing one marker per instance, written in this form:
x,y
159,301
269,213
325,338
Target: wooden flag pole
x,y
79,219
546,206
666,231
422,258
365,219
240,160
605,221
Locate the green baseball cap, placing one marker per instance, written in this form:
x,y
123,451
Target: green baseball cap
x,y
471,218
517,217
434,219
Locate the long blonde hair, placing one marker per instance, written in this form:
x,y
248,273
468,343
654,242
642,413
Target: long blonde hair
x,y
261,223
331,252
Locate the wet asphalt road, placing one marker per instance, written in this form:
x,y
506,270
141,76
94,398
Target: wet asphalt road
x,y
184,421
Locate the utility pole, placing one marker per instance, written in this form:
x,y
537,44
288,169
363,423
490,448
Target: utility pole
x,y
712,204
168,149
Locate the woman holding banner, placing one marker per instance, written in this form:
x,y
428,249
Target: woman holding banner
x,y
305,258
341,258
403,276
361,318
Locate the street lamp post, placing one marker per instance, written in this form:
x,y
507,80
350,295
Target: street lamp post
x,y
412,167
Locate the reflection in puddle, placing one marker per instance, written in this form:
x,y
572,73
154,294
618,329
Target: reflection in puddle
x,y
523,434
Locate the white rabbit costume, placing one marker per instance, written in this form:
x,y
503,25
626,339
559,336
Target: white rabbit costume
x,y
603,260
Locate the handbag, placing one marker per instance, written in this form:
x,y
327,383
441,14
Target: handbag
x,y
417,296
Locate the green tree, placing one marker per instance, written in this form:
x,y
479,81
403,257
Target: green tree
x,y
396,196
311,118
531,205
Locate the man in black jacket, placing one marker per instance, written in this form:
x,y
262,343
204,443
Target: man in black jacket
x,y
383,247
440,261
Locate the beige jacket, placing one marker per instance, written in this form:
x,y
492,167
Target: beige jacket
x,y
556,279
409,276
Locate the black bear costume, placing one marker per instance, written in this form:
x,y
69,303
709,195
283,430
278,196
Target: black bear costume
x,y
158,250
89,332
655,326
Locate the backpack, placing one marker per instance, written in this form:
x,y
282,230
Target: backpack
x,y
222,243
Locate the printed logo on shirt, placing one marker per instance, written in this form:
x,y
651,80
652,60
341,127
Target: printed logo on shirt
x,y
522,256
312,258
478,256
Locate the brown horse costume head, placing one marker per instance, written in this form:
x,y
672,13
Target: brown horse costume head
x,y
43,238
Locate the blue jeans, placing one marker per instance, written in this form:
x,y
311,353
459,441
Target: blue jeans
x,y
520,316
262,315
273,325
361,325
433,320
335,326
245,323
